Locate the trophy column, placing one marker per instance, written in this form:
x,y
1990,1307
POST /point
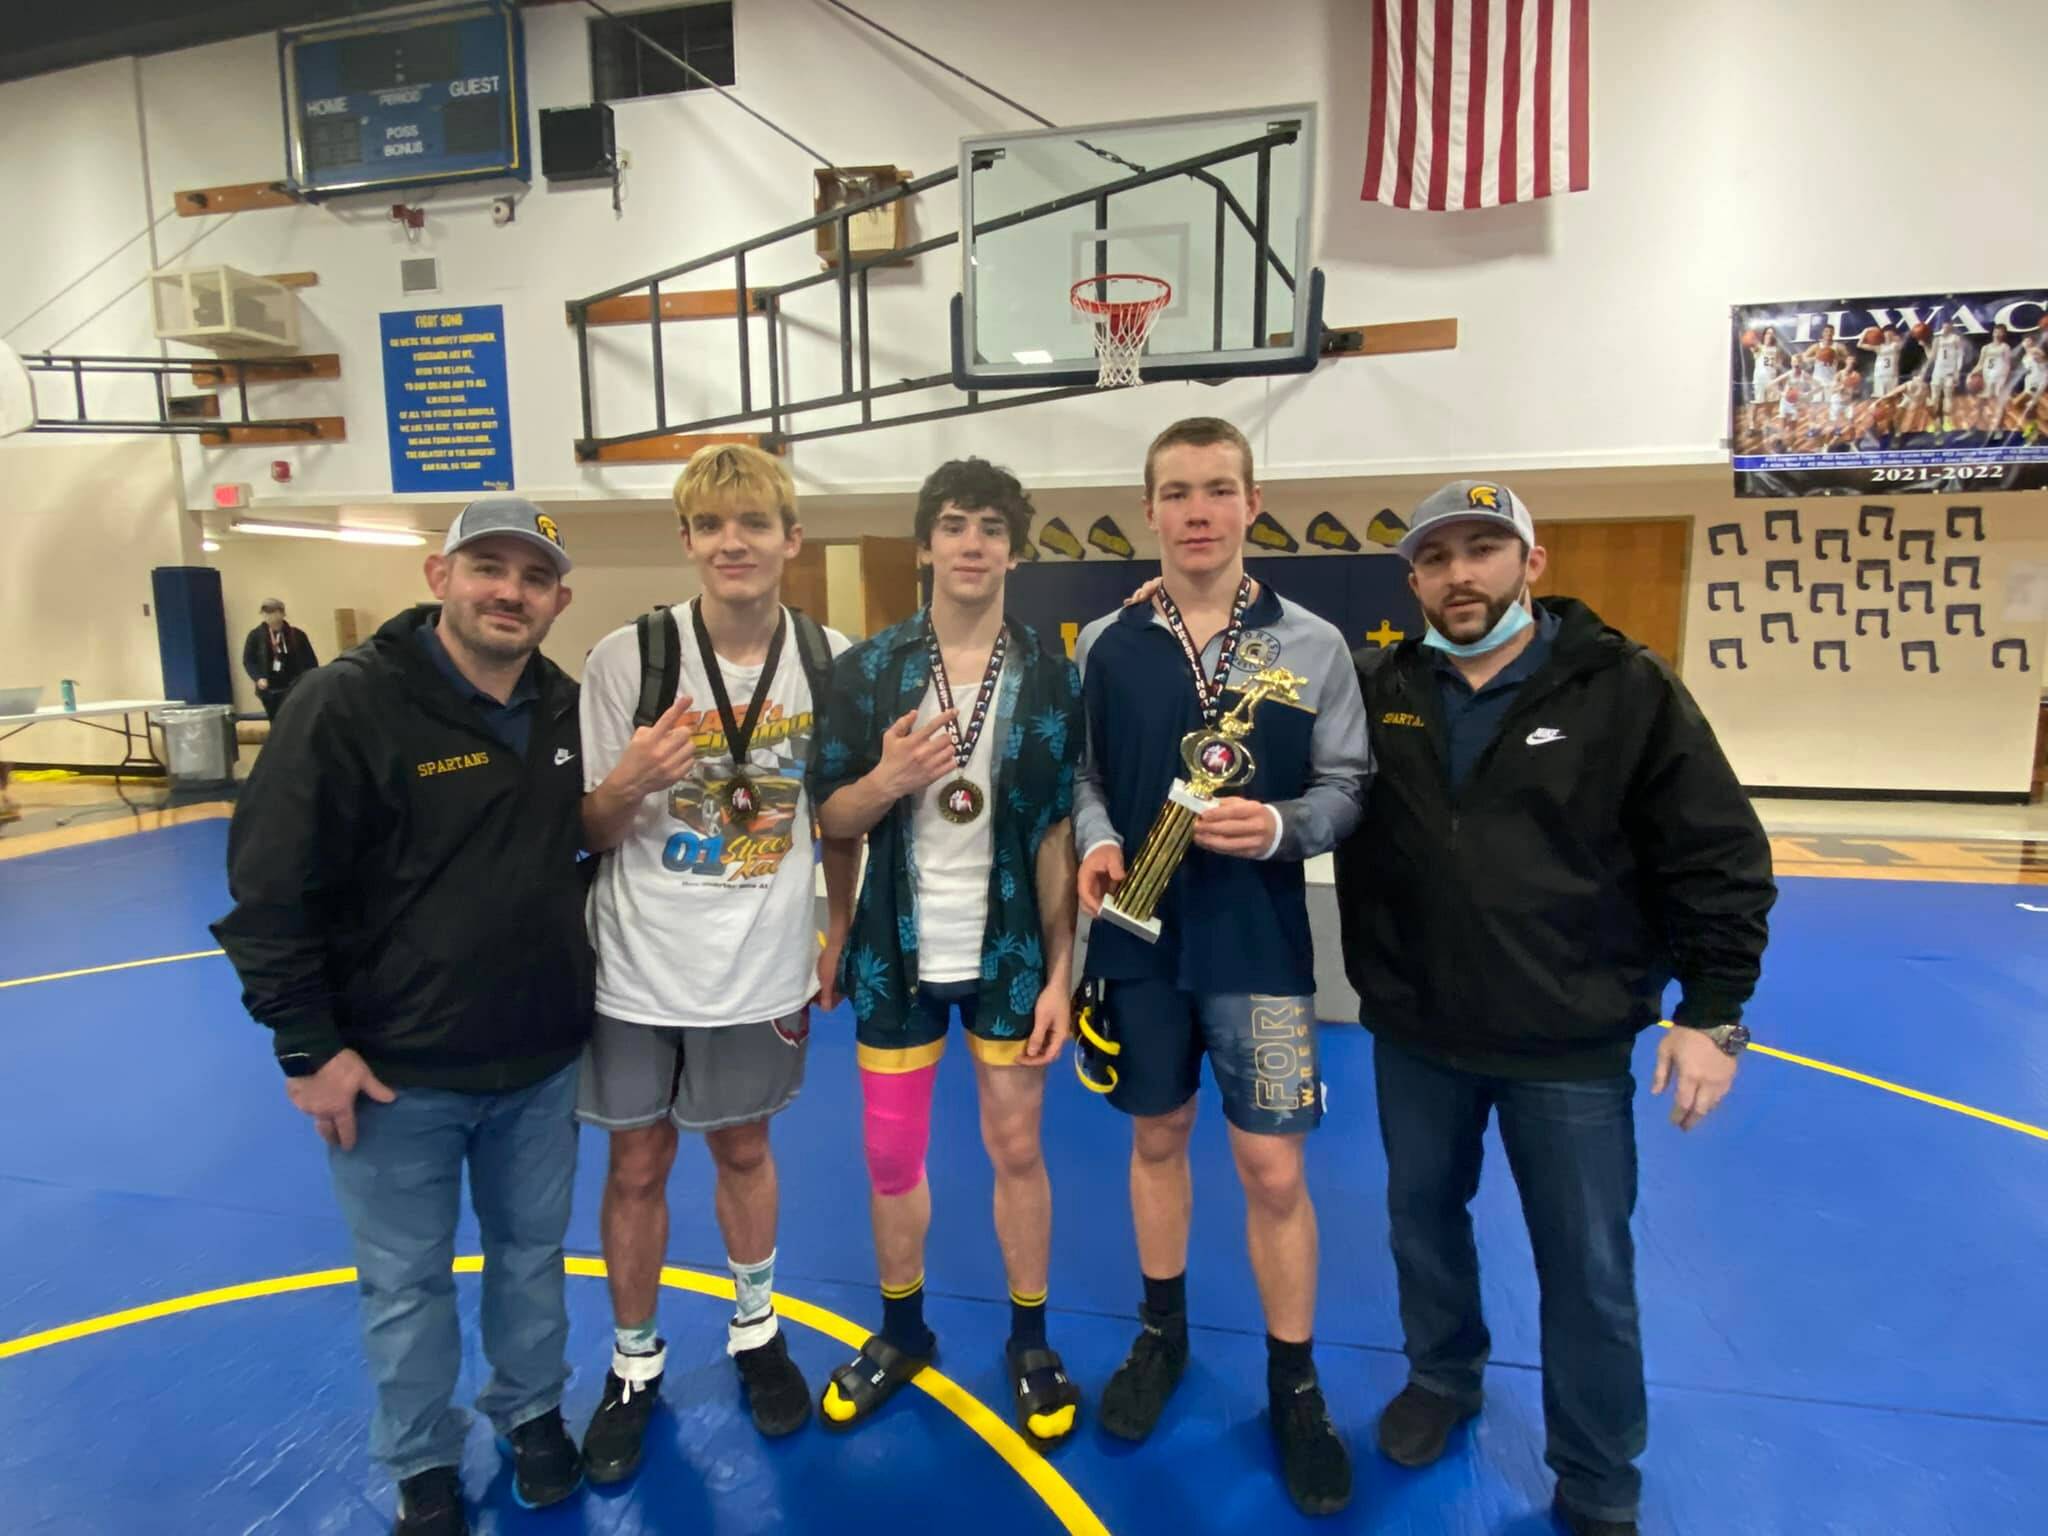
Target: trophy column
x,y
1132,906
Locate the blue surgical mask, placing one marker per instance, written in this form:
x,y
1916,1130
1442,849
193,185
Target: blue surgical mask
x,y
1510,624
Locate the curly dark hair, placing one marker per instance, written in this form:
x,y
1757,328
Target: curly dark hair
x,y
973,485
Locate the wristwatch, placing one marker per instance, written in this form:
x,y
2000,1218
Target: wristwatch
x,y
1731,1038
300,1063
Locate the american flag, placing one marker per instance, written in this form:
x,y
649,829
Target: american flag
x,y
1476,102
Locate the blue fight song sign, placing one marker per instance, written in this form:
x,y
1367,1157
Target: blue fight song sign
x,y
445,401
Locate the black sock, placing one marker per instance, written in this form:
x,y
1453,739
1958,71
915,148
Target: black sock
x,y
1027,1321
1167,1298
1289,1366
903,1319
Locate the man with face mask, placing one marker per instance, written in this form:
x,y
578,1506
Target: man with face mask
x,y
1553,837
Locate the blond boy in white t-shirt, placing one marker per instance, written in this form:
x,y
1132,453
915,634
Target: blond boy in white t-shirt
x,y
697,726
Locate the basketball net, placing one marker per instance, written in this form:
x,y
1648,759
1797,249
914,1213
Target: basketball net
x,y
1122,306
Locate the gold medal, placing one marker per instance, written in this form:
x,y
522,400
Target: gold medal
x,y
960,800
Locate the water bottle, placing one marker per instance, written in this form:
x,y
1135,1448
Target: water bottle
x,y
68,691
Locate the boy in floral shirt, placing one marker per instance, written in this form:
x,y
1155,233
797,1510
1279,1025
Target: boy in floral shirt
x,y
949,741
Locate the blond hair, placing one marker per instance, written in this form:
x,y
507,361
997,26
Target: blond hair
x,y
724,473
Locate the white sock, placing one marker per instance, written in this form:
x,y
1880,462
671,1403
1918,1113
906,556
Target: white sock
x,y
753,1290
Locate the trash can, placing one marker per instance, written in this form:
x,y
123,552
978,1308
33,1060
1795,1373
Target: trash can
x,y
199,744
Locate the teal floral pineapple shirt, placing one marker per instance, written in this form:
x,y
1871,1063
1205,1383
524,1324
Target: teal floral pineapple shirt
x,y
1035,731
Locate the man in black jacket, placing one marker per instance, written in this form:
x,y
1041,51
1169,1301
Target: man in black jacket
x,y
408,921
1554,836
276,654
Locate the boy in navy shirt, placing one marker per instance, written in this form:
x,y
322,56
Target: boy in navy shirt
x,y
1231,975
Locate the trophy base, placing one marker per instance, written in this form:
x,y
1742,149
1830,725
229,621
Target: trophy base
x,y
1146,928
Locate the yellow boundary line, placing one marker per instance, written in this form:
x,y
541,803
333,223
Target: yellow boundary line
x,y
118,965
1891,1087
1058,1495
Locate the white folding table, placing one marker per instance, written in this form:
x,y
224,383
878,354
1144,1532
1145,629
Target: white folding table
x,y
134,731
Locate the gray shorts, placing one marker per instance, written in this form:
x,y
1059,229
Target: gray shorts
x,y
634,1075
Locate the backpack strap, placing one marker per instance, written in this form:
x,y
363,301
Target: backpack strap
x,y
661,663
815,651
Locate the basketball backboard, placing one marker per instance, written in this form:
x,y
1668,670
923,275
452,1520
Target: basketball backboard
x,y
1217,204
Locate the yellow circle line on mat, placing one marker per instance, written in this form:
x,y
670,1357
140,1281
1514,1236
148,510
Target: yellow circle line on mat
x,y
118,965
1890,1087
1067,1506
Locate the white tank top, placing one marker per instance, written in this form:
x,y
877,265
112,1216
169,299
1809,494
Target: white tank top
x,y
953,858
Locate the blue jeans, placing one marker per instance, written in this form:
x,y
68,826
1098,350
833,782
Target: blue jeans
x,y
400,1189
1572,1147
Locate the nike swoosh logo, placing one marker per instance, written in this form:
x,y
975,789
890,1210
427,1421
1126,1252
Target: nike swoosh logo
x,y
1542,736
563,755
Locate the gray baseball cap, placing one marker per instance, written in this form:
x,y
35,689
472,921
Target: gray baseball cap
x,y
514,516
1484,501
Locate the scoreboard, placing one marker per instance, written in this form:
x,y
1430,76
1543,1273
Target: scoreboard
x,y
406,99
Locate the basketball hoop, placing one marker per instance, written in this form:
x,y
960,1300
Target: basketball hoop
x,y
1123,318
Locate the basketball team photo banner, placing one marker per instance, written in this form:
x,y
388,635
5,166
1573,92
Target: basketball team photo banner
x,y
1941,393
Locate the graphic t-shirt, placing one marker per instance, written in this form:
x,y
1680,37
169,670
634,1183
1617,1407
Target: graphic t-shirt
x,y
704,914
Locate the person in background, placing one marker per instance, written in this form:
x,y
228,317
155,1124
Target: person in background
x,y
276,655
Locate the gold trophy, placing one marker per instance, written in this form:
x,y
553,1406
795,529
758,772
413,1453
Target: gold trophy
x,y
1217,759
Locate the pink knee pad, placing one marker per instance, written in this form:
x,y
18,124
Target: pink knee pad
x,y
897,1126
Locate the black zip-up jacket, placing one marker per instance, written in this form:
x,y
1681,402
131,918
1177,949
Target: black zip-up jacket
x,y
298,656
405,884
1528,924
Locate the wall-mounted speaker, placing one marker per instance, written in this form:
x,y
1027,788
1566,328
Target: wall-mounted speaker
x,y
576,143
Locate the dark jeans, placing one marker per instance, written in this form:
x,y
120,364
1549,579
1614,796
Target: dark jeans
x,y
272,699
1572,1147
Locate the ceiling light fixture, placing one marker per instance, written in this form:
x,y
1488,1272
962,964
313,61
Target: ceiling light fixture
x,y
338,535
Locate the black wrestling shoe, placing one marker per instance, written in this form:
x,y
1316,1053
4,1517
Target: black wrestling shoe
x,y
1137,1393
777,1395
1313,1460
612,1443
